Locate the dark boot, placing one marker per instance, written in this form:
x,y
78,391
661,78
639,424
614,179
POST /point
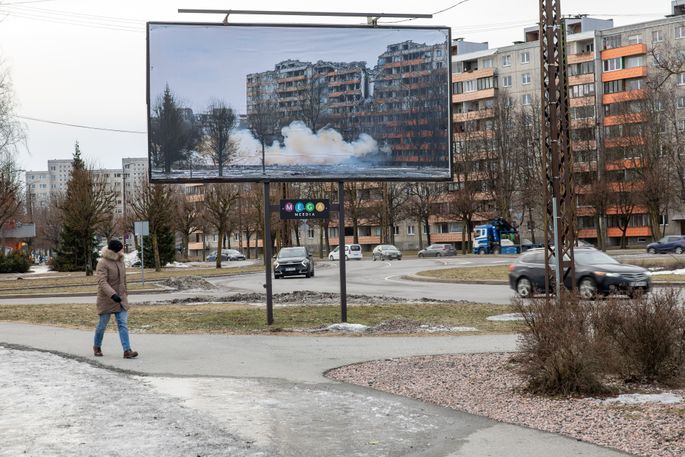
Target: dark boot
x,y
97,352
130,354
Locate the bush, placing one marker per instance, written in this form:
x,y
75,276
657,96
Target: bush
x,y
573,348
647,336
14,262
561,356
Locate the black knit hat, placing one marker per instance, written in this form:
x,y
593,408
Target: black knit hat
x,y
115,245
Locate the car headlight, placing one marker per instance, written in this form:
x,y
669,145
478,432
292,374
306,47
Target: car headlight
x,y
276,265
607,274
305,262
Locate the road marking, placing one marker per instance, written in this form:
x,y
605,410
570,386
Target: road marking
x,y
389,279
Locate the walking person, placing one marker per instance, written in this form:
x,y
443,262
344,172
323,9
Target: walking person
x,y
112,297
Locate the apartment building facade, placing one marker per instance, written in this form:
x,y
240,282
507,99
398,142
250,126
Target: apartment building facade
x,y
608,68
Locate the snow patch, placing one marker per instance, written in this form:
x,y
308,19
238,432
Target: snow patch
x,y
505,317
343,327
666,398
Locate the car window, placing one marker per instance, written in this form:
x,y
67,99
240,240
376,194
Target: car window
x,y
292,252
534,257
355,247
664,240
593,258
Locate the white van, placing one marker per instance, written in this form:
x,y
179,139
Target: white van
x,y
352,251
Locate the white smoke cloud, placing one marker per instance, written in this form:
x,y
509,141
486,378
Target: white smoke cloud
x,y
302,146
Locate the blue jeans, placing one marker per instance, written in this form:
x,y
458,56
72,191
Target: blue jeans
x,y
122,324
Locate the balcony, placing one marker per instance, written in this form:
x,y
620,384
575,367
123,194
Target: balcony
x,y
630,118
579,58
618,97
626,73
624,51
631,231
473,115
471,96
469,75
581,79
587,233
582,101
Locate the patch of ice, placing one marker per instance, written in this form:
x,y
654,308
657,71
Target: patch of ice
x,y
680,271
505,317
177,265
348,327
636,399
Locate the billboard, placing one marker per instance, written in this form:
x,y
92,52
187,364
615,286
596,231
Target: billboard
x,y
258,102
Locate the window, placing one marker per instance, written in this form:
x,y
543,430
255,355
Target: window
x,y
310,233
632,62
657,36
470,86
681,125
411,230
612,87
526,99
634,84
506,61
681,102
635,39
395,230
680,31
487,63
582,90
525,78
485,83
681,79
506,81
613,64
525,57
613,41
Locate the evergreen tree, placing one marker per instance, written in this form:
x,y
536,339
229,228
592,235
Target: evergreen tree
x,y
87,204
166,243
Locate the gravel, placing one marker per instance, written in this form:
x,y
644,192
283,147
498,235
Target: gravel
x,y
489,385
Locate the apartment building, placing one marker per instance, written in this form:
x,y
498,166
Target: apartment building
x,y
608,68
126,182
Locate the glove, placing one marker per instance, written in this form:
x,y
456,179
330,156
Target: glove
x,y
116,298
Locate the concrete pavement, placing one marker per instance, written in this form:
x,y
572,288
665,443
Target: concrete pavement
x,y
270,390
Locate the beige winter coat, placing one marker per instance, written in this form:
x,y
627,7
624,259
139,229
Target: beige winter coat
x,y
111,276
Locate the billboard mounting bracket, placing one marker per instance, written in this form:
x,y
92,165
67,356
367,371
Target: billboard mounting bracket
x,y
373,17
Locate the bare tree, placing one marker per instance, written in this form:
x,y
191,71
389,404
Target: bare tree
x,y
186,216
11,130
264,119
155,205
217,127
10,189
219,204
423,199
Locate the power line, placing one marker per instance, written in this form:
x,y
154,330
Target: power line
x,y
78,19
434,14
80,125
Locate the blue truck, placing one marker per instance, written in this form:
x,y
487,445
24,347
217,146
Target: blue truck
x,y
498,237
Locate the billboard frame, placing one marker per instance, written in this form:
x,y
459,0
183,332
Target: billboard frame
x,y
270,178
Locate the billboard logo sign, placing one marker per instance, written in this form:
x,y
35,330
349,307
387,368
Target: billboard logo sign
x,y
315,208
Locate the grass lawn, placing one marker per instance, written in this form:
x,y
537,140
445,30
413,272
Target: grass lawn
x,y
245,319
468,274
77,282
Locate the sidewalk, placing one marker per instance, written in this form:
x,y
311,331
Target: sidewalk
x,y
268,395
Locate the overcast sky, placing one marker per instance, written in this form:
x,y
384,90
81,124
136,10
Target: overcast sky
x,y
82,62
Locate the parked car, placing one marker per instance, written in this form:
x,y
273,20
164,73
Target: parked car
x,y
596,273
438,250
227,255
670,243
293,261
352,251
386,251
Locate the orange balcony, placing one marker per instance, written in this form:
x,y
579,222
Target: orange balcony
x,y
579,58
624,51
583,123
627,73
589,145
585,211
631,231
618,97
446,237
587,233
625,164
479,135
581,79
582,101
624,142
468,76
473,115
630,118
471,96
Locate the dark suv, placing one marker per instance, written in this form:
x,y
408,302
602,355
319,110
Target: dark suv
x,y
293,261
670,243
596,273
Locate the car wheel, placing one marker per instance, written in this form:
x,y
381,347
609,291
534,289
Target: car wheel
x,y
374,257
495,251
312,275
678,250
277,276
481,251
330,257
384,258
307,275
651,251
420,255
347,258
524,288
587,288
439,254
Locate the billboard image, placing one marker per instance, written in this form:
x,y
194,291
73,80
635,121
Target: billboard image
x,y
257,102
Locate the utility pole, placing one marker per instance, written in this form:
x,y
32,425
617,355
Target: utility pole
x,y
556,148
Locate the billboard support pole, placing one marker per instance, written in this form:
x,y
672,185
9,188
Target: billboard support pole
x,y
341,251
267,255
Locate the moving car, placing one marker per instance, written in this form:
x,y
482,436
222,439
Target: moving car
x,y
386,251
596,273
352,251
226,255
438,250
670,243
293,261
